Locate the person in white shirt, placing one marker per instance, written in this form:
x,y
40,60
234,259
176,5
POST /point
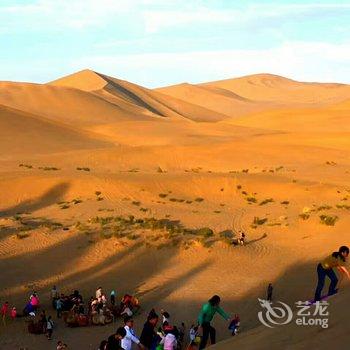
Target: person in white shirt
x,y
130,337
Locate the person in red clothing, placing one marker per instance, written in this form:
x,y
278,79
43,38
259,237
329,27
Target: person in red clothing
x,y
4,311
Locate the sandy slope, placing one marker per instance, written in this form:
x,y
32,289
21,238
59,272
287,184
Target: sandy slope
x,y
152,159
274,88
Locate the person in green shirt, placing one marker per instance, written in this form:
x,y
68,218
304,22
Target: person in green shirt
x,y
325,268
206,315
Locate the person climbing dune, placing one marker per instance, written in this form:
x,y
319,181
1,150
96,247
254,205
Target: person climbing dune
x,y
206,315
326,268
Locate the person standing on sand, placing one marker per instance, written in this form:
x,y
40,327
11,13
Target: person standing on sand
x,y
4,311
130,337
49,328
149,336
269,292
206,315
325,268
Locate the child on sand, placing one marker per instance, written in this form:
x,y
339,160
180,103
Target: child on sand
x,y
13,313
325,268
49,327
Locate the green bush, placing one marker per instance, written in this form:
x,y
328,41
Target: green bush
x,y
205,232
329,220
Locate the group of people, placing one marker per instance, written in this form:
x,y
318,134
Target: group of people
x,y
158,332
6,312
168,336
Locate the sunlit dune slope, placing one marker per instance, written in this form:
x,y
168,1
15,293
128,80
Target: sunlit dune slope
x,y
128,95
24,133
274,88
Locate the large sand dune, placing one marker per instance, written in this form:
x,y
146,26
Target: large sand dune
x,y
78,153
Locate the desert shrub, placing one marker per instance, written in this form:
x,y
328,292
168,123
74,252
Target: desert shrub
x,y
238,187
133,236
136,203
343,206
188,202
106,235
245,193
267,200
251,199
22,235
180,200
134,170
279,168
172,199
83,169
222,204
328,220
199,199
64,206
217,211
159,170
205,232
97,193
285,202
76,201
245,171
304,216
99,199
324,207
162,195
259,221
143,209
48,168
274,224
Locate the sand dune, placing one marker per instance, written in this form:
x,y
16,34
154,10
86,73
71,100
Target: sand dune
x,y
274,88
24,133
216,99
116,90
219,155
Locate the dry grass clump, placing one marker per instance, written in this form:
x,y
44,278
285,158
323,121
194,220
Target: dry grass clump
x,y
328,220
266,201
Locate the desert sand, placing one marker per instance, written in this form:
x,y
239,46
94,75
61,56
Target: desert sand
x,y
262,153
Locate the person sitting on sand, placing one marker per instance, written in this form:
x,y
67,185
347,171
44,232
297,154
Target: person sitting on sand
x,y
98,292
114,340
205,317
241,239
34,301
325,268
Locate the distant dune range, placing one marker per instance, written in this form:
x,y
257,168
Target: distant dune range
x,y
262,153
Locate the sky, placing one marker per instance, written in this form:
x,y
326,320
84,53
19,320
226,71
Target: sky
x,y
162,42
